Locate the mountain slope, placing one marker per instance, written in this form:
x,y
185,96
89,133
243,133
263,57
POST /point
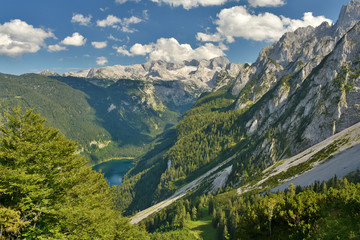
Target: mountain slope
x,y
63,106
116,111
301,90
115,121
324,157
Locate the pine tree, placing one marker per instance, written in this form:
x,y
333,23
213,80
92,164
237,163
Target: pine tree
x,y
46,189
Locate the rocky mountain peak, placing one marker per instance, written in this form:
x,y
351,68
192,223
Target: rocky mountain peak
x,y
349,15
49,73
202,73
306,85
219,62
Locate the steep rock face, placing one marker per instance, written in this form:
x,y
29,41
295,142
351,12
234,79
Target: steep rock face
x,y
301,50
305,86
349,15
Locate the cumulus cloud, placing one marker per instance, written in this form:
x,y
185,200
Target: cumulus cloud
x,y
99,44
109,21
307,20
75,40
81,19
170,50
126,24
17,37
123,51
101,60
187,4
216,37
121,24
266,3
238,22
56,48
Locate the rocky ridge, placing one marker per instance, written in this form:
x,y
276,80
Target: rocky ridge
x,y
202,73
304,88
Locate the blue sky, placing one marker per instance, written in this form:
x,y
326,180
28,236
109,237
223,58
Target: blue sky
x,y
68,35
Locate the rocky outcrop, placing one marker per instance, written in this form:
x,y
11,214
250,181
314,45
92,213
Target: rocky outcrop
x,y
306,87
349,15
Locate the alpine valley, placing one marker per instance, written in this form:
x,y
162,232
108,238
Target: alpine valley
x,y
214,142
117,111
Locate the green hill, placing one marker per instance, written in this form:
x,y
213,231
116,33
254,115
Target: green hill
x,y
109,120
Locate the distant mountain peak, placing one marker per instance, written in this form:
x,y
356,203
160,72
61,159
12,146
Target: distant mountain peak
x,y
199,72
49,73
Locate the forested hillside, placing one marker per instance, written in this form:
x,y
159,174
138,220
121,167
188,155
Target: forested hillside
x,y
48,192
64,107
109,120
46,189
326,210
302,90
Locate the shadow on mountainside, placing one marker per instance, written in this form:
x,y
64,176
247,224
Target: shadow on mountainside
x,y
112,111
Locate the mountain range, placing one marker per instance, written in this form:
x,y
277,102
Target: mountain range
x,y
205,126
117,111
202,74
301,90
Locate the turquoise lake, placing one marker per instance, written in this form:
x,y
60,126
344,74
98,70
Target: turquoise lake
x,y
114,170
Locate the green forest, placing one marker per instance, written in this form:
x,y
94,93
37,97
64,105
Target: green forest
x,y
80,109
327,210
47,191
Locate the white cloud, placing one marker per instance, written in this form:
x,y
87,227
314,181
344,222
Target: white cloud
x,y
110,21
111,37
81,19
111,107
307,20
123,51
139,49
188,4
126,24
56,48
124,1
170,50
266,3
99,44
121,24
238,22
17,37
216,37
75,40
101,60
145,14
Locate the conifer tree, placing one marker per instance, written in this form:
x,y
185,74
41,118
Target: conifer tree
x,y
46,189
